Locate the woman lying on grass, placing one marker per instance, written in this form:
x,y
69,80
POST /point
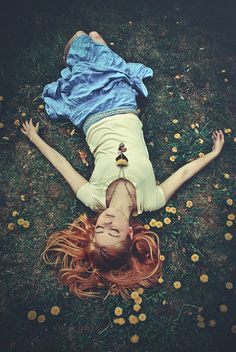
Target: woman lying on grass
x,y
97,91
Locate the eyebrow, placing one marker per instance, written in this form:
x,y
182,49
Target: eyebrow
x,y
108,232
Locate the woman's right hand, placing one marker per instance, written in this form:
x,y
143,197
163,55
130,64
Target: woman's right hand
x,y
29,129
218,141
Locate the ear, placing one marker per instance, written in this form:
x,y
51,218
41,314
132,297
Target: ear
x,y
131,232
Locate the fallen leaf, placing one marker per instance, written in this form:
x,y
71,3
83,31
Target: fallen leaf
x,y
83,157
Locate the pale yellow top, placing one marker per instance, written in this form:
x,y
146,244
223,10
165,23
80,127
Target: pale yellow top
x,y
103,139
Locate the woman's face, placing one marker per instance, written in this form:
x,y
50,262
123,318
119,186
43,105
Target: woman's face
x,y
112,226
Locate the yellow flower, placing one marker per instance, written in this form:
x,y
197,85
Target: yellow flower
x,y
41,106
164,302
201,324
172,158
173,210
193,125
159,224
223,308
228,236
32,315
55,310
26,224
227,130
121,321
162,258
200,317
22,197
140,290
118,311
200,309
138,300
116,320
167,221
231,216
152,223
196,124
229,201
20,221
11,226
160,280
201,140
177,284
216,185
229,285
174,149
23,114
168,209
189,204
17,122
133,319
201,155
1,124
212,323
147,227
136,307
234,139
204,278
134,338
41,318
229,223
177,77
195,257
233,329
134,294
1,98
142,317
177,136
175,121
226,175
14,213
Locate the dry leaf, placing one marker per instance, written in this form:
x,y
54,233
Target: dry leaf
x,y
83,157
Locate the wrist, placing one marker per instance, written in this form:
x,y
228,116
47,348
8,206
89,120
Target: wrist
x,y
33,138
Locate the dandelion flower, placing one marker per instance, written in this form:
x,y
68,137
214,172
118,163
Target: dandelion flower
x,y
1,124
229,201
134,338
118,311
195,257
32,315
55,310
234,139
133,319
134,294
174,149
168,209
212,323
177,284
189,204
152,223
201,155
142,317
138,300
14,213
204,278
162,258
20,221
147,227
200,309
228,236
201,324
177,77
41,318
175,121
227,130
229,285
167,221
17,122
1,98
121,321
11,226
227,176
229,223
223,308
231,216
160,280
26,224
159,224
22,197
172,158
173,210
116,321
136,307
193,125
233,329
200,317
41,106
140,290
23,114
201,141
177,135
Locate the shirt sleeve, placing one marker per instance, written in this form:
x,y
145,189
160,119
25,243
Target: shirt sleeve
x,y
160,200
84,194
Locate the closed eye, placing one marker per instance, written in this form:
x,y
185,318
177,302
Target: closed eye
x,y
101,227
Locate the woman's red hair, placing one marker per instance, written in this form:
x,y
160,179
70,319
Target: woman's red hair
x,y
83,264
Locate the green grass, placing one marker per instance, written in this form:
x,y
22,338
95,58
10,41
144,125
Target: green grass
x,y
27,283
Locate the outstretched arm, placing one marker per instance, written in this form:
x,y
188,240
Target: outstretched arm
x,y
62,165
184,173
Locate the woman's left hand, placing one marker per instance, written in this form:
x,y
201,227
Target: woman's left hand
x,y
218,141
29,129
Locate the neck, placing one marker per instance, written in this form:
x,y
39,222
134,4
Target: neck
x,y
121,201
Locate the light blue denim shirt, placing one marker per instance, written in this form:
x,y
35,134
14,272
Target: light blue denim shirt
x,y
96,83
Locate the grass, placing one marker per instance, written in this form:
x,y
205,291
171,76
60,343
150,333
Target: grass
x,y
198,51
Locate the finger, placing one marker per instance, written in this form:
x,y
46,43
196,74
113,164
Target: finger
x,y
22,131
24,125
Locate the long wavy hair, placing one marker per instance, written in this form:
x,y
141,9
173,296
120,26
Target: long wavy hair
x,y
83,264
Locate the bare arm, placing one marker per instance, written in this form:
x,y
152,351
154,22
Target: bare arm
x,y
184,173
